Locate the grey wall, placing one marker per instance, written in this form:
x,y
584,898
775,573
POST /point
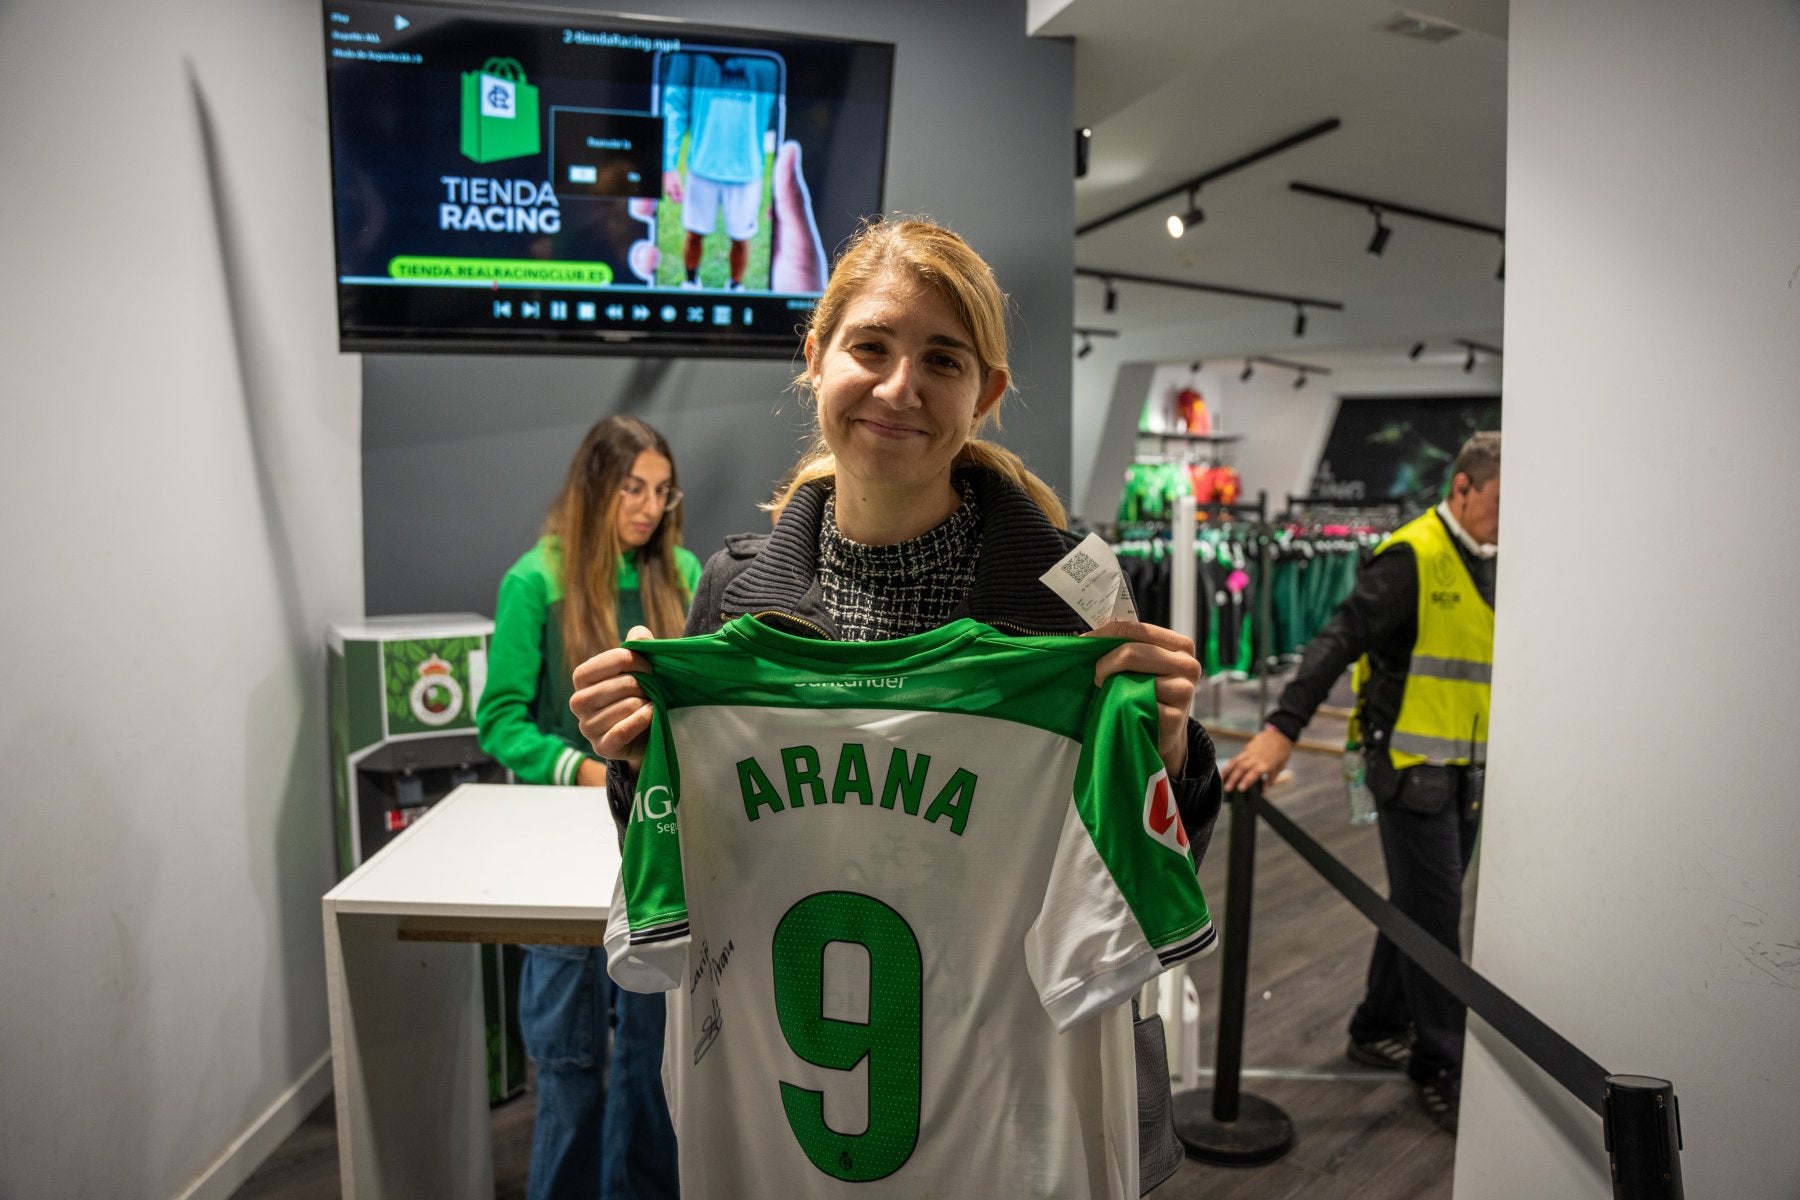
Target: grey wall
x,y
462,454
179,482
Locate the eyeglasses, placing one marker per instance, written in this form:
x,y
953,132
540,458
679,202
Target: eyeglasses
x,y
636,491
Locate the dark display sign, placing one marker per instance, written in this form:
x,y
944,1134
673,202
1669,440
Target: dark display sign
x,y
517,179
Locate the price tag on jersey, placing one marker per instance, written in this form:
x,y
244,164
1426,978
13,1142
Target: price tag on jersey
x,y
1090,579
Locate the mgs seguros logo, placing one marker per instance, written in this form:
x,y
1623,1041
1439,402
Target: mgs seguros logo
x,y
1162,820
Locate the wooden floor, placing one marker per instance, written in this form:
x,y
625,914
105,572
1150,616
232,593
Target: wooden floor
x,y
1355,1139
1362,1139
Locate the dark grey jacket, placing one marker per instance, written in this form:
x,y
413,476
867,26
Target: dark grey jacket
x,y
774,576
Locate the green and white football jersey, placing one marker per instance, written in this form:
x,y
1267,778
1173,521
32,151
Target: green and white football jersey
x,y
898,891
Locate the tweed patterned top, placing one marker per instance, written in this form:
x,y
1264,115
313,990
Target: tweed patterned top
x,y
879,592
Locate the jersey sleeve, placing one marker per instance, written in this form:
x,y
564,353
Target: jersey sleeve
x,y
647,936
504,722
1122,903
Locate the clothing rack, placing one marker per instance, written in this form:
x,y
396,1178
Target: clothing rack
x,y
1325,540
1184,584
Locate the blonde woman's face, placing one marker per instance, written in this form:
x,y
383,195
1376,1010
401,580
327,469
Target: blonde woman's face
x,y
643,498
899,386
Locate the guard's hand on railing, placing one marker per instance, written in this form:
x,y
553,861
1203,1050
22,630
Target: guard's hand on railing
x,y
1261,761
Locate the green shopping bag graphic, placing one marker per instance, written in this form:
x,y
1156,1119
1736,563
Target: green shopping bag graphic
x,y
499,112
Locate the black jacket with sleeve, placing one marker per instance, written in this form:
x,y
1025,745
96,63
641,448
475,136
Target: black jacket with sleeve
x,y
1380,619
774,576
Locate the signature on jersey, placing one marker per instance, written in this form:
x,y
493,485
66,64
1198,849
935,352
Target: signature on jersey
x,y
710,967
710,1026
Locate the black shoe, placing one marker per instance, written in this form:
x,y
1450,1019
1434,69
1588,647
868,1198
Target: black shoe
x,y
1384,1054
1440,1096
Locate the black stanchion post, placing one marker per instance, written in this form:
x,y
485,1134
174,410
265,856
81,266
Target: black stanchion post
x,y
1643,1138
1222,1124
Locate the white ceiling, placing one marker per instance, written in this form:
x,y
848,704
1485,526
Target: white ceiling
x,y
1175,88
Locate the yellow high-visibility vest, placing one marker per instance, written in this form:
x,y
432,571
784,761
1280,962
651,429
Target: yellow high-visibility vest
x,y
1444,709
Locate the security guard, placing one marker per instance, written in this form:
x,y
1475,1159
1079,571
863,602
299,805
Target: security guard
x,y
1422,618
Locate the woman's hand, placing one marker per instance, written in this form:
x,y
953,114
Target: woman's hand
x,y
610,706
1167,655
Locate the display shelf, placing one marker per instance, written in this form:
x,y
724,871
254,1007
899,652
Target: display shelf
x,y
1176,436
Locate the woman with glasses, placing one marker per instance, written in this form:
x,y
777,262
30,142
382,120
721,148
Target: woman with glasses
x,y
610,558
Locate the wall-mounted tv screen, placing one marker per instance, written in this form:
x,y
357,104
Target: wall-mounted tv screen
x,y
515,179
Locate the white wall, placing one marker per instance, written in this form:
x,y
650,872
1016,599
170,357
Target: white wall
x,y
180,486
1639,887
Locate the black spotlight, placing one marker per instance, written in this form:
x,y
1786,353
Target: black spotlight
x,y
1087,347
1379,242
1299,320
1300,381
1082,137
1418,348
1111,303
1249,370
1469,361
1180,223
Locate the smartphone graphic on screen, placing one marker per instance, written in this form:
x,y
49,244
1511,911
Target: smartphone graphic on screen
x,y
724,115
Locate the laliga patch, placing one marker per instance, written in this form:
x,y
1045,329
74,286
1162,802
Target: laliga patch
x,y
1162,820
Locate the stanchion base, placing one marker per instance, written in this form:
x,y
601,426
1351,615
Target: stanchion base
x,y
1261,1134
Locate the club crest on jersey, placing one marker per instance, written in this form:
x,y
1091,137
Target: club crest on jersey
x,y
1162,820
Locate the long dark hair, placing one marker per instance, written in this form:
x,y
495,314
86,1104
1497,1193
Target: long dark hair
x,y
584,520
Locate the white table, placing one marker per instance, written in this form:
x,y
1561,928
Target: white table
x,y
488,863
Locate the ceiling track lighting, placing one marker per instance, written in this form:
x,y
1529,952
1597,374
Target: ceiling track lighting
x,y
1380,208
1302,371
1300,303
1087,336
1418,348
1472,349
1111,303
1180,223
1379,242
1191,186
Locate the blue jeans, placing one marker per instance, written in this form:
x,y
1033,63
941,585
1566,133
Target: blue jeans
x,y
589,1141
640,1141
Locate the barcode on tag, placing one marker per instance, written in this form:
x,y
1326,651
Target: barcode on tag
x,y
1090,580
1079,566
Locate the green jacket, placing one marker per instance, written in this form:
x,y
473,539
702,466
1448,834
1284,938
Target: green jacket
x,y
524,720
